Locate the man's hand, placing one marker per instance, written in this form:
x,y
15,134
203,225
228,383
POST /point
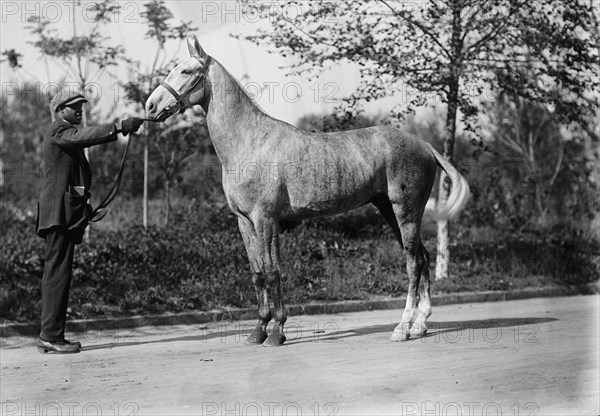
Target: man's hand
x,y
131,125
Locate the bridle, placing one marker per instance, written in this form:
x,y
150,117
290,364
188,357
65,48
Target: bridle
x,y
179,106
102,208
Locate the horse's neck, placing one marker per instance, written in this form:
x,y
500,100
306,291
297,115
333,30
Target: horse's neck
x,y
233,119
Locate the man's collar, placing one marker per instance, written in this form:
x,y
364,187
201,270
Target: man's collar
x,y
71,124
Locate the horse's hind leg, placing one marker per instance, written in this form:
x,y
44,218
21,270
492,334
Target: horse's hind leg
x,y
419,326
385,207
386,210
259,334
415,264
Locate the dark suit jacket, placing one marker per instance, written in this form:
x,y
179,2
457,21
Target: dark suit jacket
x,y
65,166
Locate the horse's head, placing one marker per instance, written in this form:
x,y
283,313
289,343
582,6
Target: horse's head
x,y
183,87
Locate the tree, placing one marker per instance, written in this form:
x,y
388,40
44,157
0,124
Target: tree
x,y
328,122
84,58
80,55
528,132
141,84
13,58
22,132
452,50
180,139
549,167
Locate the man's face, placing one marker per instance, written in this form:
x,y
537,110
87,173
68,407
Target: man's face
x,y
73,113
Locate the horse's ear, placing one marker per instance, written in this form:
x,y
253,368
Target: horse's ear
x,y
195,48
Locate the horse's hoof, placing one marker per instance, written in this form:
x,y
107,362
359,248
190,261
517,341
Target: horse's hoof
x,y
256,338
275,341
401,332
399,335
418,330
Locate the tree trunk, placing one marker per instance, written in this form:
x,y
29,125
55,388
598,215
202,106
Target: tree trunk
x,y
52,113
145,197
535,175
167,200
443,251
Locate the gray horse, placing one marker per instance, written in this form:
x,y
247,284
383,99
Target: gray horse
x,y
272,171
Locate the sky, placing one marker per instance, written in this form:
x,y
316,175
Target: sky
x,y
284,97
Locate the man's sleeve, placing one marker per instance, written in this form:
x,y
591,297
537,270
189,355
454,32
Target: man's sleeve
x,y
69,136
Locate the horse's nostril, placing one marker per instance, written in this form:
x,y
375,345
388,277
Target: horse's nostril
x,y
151,107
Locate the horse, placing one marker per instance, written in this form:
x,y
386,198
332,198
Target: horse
x,y
274,172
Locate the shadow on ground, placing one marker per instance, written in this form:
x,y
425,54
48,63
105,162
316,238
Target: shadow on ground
x,y
527,327
447,329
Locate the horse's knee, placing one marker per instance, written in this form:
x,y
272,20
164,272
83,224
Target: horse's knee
x,y
258,279
280,316
273,278
421,261
422,257
425,254
415,259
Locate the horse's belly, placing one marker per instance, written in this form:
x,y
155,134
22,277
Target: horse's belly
x,y
332,194
299,209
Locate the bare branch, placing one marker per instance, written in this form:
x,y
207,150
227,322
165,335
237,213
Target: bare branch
x,y
495,31
415,23
558,164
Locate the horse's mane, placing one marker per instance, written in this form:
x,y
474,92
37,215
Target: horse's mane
x,y
252,102
242,89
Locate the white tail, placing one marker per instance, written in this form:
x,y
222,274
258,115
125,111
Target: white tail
x,y
459,193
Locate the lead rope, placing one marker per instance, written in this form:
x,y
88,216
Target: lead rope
x,y
102,208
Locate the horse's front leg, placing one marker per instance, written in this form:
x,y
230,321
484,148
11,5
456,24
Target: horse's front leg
x,y
259,334
268,239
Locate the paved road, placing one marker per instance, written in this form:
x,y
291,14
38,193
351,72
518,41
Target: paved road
x,y
530,357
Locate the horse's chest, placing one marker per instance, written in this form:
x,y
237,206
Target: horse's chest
x,y
245,189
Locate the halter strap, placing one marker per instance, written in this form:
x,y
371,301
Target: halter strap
x,y
171,90
180,97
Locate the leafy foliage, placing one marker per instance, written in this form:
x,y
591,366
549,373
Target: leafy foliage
x,y
199,263
544,51
452,50
157,17
24,116
13,57
92,46
180,139
540,55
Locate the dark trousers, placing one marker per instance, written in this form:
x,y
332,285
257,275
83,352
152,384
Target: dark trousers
x,y
56,282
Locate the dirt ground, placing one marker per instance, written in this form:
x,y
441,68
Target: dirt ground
x,y
529,357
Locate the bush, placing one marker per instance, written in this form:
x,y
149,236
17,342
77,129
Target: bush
x,y
199,262
21,267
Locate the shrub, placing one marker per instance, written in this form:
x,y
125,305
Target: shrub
x,y
200,263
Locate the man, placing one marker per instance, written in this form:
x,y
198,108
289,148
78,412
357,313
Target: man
x,y
63,208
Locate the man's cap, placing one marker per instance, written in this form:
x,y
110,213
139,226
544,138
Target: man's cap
x,y
65,98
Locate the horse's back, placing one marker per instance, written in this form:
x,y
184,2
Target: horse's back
x,y
329,173
402,155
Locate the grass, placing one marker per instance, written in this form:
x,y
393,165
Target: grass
x,y
199,261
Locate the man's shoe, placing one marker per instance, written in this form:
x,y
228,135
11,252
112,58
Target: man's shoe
x,y
57,347
66,341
